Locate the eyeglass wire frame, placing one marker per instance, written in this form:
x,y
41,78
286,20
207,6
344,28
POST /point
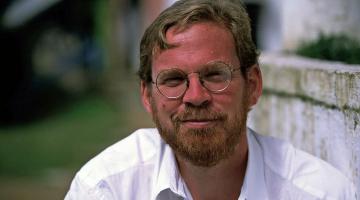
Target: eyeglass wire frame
x,y
228,66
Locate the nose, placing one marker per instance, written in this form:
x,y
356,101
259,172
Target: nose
x,y
196,94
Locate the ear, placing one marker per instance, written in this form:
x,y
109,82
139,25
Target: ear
x,y
254,80
145,96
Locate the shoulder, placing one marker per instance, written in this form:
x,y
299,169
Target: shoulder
x,y
303,172
130,155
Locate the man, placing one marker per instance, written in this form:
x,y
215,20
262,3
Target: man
x,y
199,79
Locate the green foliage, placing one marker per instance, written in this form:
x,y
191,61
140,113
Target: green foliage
x,y
63,141
332,47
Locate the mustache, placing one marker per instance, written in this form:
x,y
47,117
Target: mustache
x,y
198,114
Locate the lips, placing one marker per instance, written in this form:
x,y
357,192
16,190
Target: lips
x,y
199,123
198,120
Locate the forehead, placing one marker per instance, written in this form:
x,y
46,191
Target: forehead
x,y
196,45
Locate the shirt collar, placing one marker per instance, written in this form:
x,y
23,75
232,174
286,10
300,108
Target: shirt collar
x,y
167,175
254,186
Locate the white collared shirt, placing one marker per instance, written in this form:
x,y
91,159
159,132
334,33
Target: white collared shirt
x,y
142,166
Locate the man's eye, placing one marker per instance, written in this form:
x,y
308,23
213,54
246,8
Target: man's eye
x,y
173,81
214,76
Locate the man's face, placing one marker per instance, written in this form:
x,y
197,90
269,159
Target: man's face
x,y
201,126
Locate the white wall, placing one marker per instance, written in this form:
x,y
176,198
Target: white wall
x,y
315,105
286,23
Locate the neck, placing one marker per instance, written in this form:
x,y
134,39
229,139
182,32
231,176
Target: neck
x,y
222,180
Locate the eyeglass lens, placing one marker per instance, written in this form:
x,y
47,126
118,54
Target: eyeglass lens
x,y
214,76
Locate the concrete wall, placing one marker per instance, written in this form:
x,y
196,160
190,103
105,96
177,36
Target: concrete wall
x,y
315,105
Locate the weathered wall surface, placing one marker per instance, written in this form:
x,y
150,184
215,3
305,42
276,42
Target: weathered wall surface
x,y
315,105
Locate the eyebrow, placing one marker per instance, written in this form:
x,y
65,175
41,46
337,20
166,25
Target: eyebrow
x,y
203,65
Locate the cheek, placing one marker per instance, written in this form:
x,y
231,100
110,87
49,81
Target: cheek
x,y
231,101
165,108
170,107
162,104
227,104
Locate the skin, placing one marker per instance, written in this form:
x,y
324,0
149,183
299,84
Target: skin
x,y
195,46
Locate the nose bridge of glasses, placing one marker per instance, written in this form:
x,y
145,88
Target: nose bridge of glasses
x,y
191,74
196,92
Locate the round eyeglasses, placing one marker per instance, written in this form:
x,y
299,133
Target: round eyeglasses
x,y
214,76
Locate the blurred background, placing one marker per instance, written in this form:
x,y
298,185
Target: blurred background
x,y
68,83
68,89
